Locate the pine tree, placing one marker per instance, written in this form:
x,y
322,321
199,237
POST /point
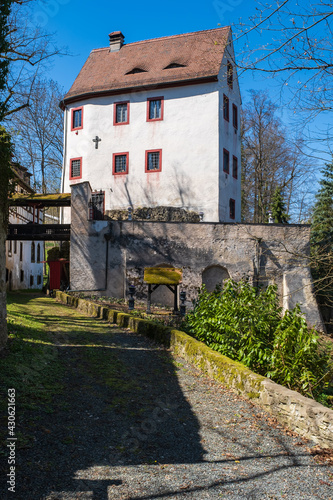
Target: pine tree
x,y
279,213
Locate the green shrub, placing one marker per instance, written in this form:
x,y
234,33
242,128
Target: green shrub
x,y
247,325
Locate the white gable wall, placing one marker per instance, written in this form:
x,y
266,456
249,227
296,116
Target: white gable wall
x,y
230,139
191,135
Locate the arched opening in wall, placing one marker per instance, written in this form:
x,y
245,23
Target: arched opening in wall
x,y
214,275
32,252
38,253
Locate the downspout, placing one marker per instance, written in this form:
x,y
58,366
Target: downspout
x,y
107,239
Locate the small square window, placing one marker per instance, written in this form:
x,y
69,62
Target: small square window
x,y
232,208
225,107
75,168
155,107
154,160
230,75
225,161
234,116
121,113
77,118
235,167
120,163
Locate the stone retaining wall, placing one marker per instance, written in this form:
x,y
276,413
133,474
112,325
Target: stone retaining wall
x,y
300,414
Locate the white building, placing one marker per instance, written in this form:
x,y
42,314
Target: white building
x,y
24,268
157,123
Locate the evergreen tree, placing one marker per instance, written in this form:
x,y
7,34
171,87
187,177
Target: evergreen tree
x,y
322,244
322,222
279,212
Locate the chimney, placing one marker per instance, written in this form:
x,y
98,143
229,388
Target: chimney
x,y
116,41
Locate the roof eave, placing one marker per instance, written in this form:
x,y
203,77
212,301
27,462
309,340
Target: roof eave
x,y
138,88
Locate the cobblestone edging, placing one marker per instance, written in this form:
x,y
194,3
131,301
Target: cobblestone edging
x,y
300,414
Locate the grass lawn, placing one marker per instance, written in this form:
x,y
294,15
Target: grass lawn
x,y
37,327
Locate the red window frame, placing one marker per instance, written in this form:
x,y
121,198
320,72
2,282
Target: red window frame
x,y
235,116
70,169
160,160
72,118
115,113
230,75
232,208
226,169
159,98
226,107
235,167
114,163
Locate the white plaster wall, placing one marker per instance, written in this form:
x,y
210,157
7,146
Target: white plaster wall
x,y
230,139
21,215
188,136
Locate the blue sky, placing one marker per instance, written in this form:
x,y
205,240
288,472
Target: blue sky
x,y
82,26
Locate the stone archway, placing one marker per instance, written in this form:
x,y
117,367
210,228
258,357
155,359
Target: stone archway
x,y
214,275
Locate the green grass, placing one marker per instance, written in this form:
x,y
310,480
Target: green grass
x,y
38,327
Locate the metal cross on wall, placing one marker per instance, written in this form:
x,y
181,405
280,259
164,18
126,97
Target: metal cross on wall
x,y
96,141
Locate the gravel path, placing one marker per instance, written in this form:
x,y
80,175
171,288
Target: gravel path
x,y
136,423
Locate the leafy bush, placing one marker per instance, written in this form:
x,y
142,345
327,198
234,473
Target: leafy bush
x,y
247,325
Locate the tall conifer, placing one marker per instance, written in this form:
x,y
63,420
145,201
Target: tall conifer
x,y
322,245
279,212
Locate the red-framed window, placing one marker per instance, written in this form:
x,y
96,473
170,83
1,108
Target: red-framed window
x,y
153,160
225,107
232,208
75,168
235,167
235,116
120,164
230,75
226,161
155,109
77,118
121,113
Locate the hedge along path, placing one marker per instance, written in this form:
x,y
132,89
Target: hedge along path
x,y
302,415
127,420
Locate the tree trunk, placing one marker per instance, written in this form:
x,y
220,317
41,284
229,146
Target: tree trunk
x,y
5,190
3,321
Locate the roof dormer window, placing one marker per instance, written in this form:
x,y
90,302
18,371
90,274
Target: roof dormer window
x,y
175,65
136,70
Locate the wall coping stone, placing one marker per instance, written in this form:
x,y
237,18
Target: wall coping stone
x,y
302,415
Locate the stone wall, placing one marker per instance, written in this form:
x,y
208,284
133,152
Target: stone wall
x,y
167,214
108,256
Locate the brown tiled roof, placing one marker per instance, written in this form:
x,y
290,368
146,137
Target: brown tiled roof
x,y
106,72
